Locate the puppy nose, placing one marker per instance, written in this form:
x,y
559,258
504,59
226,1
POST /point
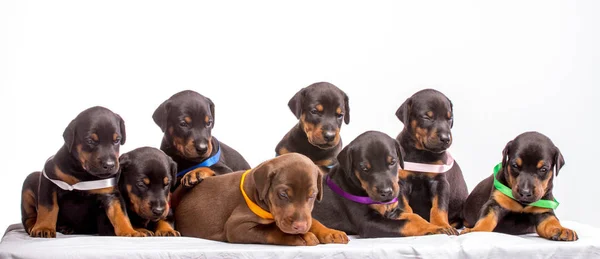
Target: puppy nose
x,y
329,135
300,226
108,165
385,192
445,138
525,192
201,148
157,211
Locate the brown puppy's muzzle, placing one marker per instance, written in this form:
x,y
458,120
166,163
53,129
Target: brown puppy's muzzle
x,y
293,222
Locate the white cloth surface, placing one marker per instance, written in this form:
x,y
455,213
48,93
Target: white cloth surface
x,y
17,244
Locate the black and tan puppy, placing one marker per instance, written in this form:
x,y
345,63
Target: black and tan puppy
x,y
270,204
77,183
363,196
187,119
529,164
437,197
147,174
320,108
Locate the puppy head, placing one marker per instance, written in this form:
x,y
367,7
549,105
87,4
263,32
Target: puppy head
x,y
530,161
371,162
289,185
321,107
147,174
428,118
187,119
94,138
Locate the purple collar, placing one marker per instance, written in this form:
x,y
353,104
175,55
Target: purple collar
x,y
354,198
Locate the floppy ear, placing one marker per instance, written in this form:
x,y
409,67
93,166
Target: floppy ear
x,y
263,175
400,153
559,161
402,112
124,162
212,110
122,129
505,154
347,108
173,169
319,183
160,115
69,135
451,111
345,159
295,103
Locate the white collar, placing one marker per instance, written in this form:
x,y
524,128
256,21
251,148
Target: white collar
x,y
82,186
429,168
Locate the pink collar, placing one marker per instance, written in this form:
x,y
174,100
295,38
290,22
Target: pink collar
x,y
429,168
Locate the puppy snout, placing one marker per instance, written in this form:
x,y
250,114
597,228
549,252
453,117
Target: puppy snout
x,y
158,211
202,147
444,138
385,193
329,135
300,226
526,192
108,165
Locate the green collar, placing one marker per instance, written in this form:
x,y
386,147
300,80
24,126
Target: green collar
x,y
548,204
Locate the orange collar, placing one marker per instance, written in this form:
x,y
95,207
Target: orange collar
x,y
253,207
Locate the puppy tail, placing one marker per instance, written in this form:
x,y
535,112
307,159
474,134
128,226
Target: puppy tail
x,y
29,200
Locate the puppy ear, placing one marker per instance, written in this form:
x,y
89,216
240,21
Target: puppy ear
x,y
122,129
295,103
403,111
505,154
452,112
124,162
400,153
319,183
69,135
345,159
559,161
160,115
263,175
347,109
173,169
212,110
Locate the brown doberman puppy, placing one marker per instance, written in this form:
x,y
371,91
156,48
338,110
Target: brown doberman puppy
x,y
187,119
270,204
437,196
517,198
79,182
320,108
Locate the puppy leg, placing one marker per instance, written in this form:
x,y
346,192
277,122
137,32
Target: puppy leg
x,y
252,233
29,201
327,235
415,225
439,204
195,176
164,229
118,217
47,211
548,226
491,212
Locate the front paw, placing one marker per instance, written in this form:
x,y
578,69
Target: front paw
x,y
332,236
146,232
132,233
44,232
196,176
446,230
563,234
167,233
309,239
466,230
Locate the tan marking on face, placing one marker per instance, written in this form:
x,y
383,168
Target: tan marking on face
x,y
540,164
115,137
338,110
314,133
542,186
67,178
364,185
437,216
171,130
319,107
389,159
519,161
420,135
448,115
84,157
206,119
511,180
430,114
187,119
146,180
283,150
166,180
137,204
94,137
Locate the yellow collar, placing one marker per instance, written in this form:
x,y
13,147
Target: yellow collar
x,y
253,207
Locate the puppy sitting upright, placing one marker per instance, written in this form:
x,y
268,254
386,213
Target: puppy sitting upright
x,y
78,182
517,198
270,204
435,185
321,107
147,174
187,119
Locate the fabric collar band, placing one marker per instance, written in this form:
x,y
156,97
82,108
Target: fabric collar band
x,y
82,186
206,163
354,198
429,168
253,206
548,204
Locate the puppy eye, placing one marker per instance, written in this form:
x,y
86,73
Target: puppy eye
x,y
117,141
312,197
314,111
141,185
364,169
427,118
340,116
514,165
209,124
283,196
543,170
393,163
91,142
183,124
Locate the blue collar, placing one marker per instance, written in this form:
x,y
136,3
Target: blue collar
x,y
206,163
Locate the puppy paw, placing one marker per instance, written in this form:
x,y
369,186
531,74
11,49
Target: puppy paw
x,y
132,233
309,239
44,232
65,230
332,236
446,230
563,234
167,233
146,232
196,176
466,230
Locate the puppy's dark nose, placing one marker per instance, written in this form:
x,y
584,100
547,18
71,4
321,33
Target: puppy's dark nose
x,y
525,192
385,192
329,136
201,148
445,138
108,165
157,211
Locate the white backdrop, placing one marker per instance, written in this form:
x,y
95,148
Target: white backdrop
x,y
508,67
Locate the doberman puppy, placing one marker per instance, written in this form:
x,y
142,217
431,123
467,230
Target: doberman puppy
x,y
187,119
147,174
435,196
320,108
78,182
270,204
363,195
529,163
